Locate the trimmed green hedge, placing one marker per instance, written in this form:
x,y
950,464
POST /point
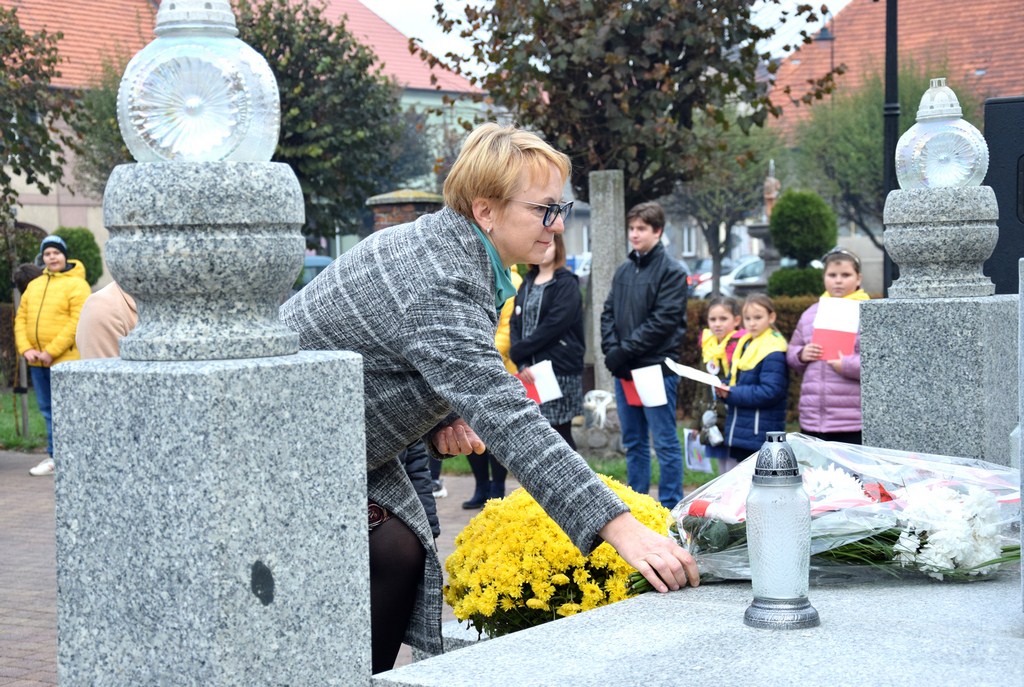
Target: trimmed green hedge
x,y
796,281
82,247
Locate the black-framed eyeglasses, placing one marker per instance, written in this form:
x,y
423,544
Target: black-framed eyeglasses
x,y
551,210
841,253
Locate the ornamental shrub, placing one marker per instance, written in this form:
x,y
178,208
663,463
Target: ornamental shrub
x,y
803,226
82,247
795,281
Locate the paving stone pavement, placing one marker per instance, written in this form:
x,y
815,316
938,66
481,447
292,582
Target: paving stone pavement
x,y
28,567
28,574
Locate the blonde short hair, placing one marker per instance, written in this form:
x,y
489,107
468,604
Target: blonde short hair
x,y
491,161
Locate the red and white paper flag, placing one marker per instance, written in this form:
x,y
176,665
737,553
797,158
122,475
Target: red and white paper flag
x,y
835,327
650,386
545,386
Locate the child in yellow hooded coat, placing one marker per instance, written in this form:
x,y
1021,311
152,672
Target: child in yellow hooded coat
x,y
44,327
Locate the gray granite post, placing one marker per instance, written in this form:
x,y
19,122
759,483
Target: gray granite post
x,y
211,482
608,249
211,514
939,357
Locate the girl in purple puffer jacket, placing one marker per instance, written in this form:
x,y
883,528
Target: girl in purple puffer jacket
x,y
830,391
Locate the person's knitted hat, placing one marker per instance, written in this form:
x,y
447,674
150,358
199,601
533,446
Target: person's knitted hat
x,y
53,241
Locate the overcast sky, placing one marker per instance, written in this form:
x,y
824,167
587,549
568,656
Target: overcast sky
x,y
415,18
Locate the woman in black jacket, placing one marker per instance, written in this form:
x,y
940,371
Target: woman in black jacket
x,y
547,324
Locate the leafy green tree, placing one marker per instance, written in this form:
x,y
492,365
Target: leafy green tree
x,y
803,226
95,120
619,85
841,151
83,248
338,111
411,156
729,188
342,130
33,142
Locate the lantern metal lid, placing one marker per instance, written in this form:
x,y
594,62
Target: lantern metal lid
x,y
776,462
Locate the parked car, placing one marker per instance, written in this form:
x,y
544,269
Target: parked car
x,y
745,269
705,264
689,278
701,271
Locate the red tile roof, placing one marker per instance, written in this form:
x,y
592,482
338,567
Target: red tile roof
x,y
93,31
979,40
392,48
99,29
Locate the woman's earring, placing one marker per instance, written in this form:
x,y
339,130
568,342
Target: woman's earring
x,y
489,230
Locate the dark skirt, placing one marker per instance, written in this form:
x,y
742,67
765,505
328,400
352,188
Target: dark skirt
x,y
564,409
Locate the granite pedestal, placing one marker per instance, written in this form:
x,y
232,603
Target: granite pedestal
x,y
939,375
915,634
1015,441
211,522
939,356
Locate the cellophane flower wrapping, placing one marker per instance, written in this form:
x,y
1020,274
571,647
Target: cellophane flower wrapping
x,y
513,567
872,509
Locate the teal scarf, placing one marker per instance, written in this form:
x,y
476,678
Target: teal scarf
x,y
503,287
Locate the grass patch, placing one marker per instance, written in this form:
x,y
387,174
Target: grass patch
x,y
456,465
11,438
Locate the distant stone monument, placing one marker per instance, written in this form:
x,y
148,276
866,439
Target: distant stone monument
x,y
762,232
608,250
772,186
210,486
939,356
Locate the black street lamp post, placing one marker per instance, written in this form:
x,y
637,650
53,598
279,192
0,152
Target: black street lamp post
x,y
891,112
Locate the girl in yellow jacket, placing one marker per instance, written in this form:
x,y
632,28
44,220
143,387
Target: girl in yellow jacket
x,y
44,328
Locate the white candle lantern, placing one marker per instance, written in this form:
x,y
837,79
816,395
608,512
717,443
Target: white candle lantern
x,y
779,540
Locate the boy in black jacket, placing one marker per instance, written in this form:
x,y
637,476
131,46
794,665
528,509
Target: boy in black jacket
x,y
643,323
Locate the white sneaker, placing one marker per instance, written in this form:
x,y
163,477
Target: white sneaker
x,y
44,468
439,490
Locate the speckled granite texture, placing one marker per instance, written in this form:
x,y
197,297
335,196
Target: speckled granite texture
x,y
919,634
1020,406
940,237
208,250
211,522
939,375
608,250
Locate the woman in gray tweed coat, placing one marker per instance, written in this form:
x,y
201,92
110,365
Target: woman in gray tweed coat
x,y
420,303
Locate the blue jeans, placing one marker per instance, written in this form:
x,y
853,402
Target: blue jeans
x,y
660,423
41,383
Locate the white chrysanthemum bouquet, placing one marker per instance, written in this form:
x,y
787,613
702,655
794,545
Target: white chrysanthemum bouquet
x,y
871,509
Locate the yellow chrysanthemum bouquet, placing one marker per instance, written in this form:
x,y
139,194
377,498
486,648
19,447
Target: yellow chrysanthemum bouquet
x,y
514,568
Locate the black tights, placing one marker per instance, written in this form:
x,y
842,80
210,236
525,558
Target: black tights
x,y
489,476
396,567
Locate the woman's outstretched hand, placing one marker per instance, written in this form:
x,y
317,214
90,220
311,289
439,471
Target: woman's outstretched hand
x,y
661,561
458,439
